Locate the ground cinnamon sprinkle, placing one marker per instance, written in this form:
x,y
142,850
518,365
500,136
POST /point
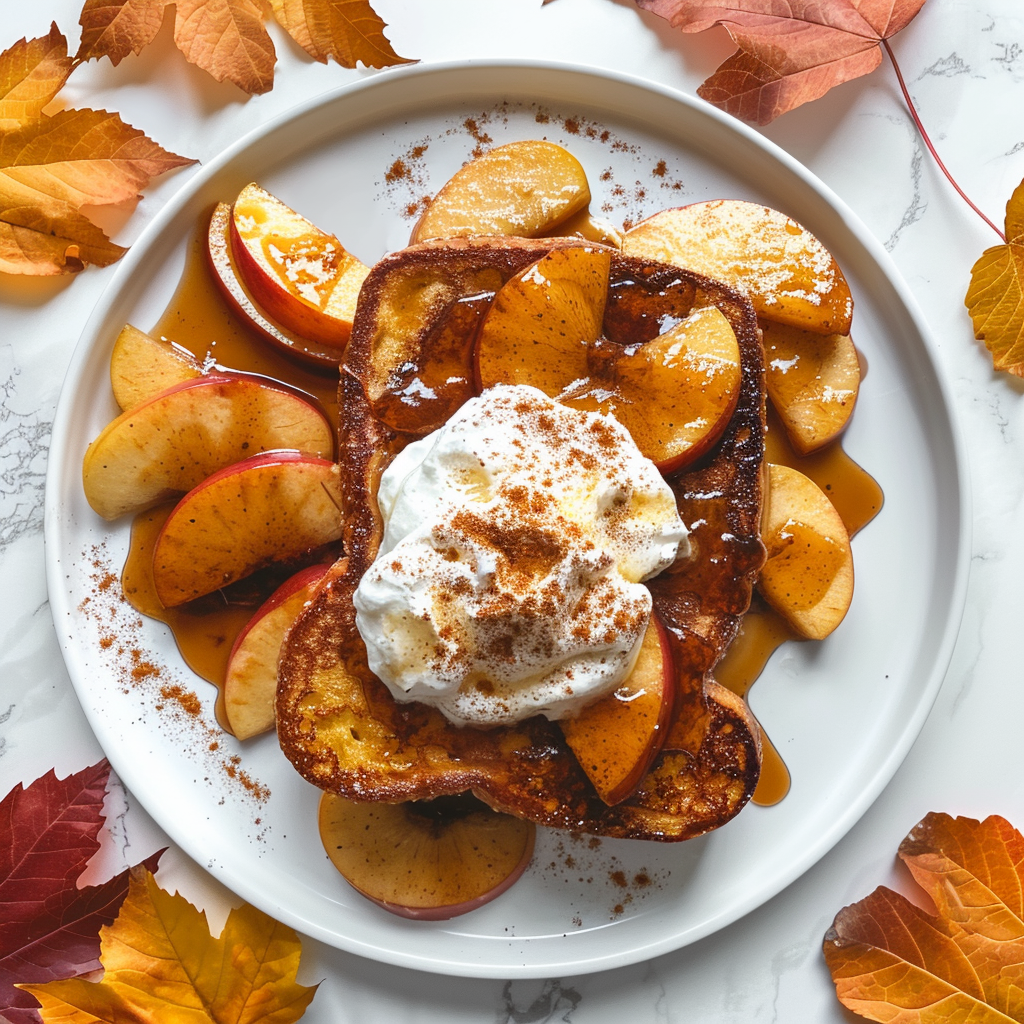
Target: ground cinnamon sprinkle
x,y
137,671
579,859
406,180
397,171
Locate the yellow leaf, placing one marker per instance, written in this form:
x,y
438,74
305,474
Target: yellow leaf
x,y
31,74
995,298
1015,214
347,30
227,38
38,245
995,301
115,28
161,964
82,157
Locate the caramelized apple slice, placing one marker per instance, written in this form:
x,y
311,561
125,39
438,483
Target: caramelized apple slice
x,y
586,226
430,860
541,322
812,380
142,366
314,355
675,394
302,276
808,578
523,188
616,738
787,274
273,507
251,679
172,442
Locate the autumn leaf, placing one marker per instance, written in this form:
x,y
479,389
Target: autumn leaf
x,y
347,30
227,38
49,928
892,961
995,298
50,167
115,28
161,964
32,72
790,51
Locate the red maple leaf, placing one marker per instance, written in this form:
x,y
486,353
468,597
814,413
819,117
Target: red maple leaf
x,y
790,51
49,928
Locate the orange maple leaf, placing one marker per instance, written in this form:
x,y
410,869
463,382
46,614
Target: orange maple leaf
x,y
995,298
161,964
227,38
892,961
347,30
50,167
790,51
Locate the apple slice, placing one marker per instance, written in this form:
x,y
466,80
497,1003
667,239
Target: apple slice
x,y
522,188
430,860
812,380
675,394
312,354
787,274
583,224
251,679
272,507
302,276
616,738
172,442
542,320
808,577
142,366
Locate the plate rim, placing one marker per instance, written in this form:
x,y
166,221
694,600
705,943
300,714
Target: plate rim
x,y
958,466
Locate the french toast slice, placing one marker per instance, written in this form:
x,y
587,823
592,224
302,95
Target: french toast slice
x,y
340,726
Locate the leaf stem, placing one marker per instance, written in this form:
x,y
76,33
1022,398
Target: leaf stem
x,y
928,142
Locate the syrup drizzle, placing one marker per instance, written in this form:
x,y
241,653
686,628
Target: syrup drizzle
x,y
199,319
858,499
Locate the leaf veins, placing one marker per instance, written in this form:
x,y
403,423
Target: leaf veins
x,y
789,51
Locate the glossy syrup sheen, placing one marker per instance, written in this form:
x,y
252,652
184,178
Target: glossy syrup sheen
x,y
199,319
858,499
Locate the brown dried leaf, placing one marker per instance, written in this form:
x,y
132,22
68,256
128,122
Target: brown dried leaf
x,y
891,961
161,964
115,28
347,30
32,72
227,38
790,51
995,298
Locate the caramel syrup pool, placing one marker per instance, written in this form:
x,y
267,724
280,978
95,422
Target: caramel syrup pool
x,y
199,319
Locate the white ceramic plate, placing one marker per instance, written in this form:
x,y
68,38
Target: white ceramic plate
x,y
843,713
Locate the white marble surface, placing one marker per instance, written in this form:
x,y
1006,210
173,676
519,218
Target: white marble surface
x,y
964,62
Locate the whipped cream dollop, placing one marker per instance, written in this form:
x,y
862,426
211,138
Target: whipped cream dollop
x,y
509,579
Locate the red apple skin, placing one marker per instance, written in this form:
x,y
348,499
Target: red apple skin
x,y
303,578
122,473
171,567
250,684
322,358
321,325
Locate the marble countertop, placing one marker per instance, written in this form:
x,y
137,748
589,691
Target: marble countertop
x,y
964,64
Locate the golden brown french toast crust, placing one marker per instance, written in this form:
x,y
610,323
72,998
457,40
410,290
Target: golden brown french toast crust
x,y
340,726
